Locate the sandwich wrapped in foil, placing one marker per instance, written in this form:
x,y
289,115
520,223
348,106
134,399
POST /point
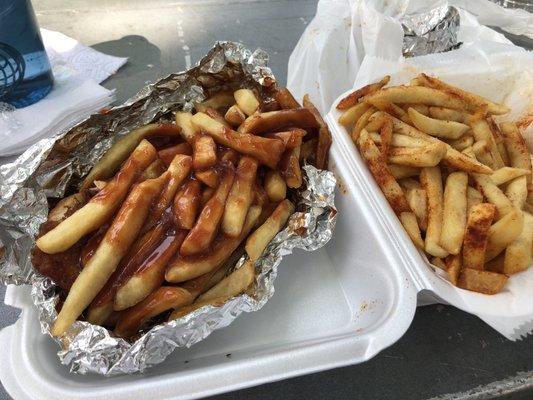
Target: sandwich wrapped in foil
x,y
431,31
54,167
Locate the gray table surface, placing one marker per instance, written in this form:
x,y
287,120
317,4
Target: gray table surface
x,y
445,350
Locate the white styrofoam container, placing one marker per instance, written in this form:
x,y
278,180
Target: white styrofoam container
x,y
337,306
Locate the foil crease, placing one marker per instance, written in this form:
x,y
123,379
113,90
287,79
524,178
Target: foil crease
x,y
434,31
55,166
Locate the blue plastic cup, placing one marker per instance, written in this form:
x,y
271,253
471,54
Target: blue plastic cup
x,y
25,73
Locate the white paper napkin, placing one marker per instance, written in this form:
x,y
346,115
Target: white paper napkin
x,y
76,94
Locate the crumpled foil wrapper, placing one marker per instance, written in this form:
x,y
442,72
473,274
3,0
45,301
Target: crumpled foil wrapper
x,y
56,166
434,31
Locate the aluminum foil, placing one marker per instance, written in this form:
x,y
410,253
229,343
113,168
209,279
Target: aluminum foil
x,y
55,166
433,31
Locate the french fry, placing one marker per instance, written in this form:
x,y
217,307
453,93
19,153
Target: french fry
x,y
427,156
208,177
204,282
431,181
421,108
260,196
503,233
392,109
234,284
415,94
417,200
67,205
246,101
362,122
261,237
469,151
496,264
462,143
481,281
188,130
229,156
235,116
159,301
323,145
482,152
149,275
204,152
494,195
403,171
398,140
206,195
203,233
473,197
285,99
112,248
275,186
449,115
516,192
217,116
352,114
518,253
278,120
453,265
507,174
178,170
154,170
220,100
410,224
452,158
123,148
290,168
354,97
101,207
516,147
437,127
183,268
291,139
454,213
481,131
187,203
384,178
101,308
386,137
168,154
409,184
266,151
498,138
474,101
240,197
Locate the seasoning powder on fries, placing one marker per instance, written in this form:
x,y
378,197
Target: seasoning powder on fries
x,y
457,180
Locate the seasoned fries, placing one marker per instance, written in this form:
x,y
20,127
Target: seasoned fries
x,y
384,178
479,228
454,214
162,219
437,127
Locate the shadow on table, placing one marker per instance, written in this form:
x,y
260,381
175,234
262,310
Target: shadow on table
x,y
143,66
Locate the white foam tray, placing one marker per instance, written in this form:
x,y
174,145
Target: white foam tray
x,y
337,306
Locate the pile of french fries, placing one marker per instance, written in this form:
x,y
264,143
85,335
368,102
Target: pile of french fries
x,y
459,182
161,220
